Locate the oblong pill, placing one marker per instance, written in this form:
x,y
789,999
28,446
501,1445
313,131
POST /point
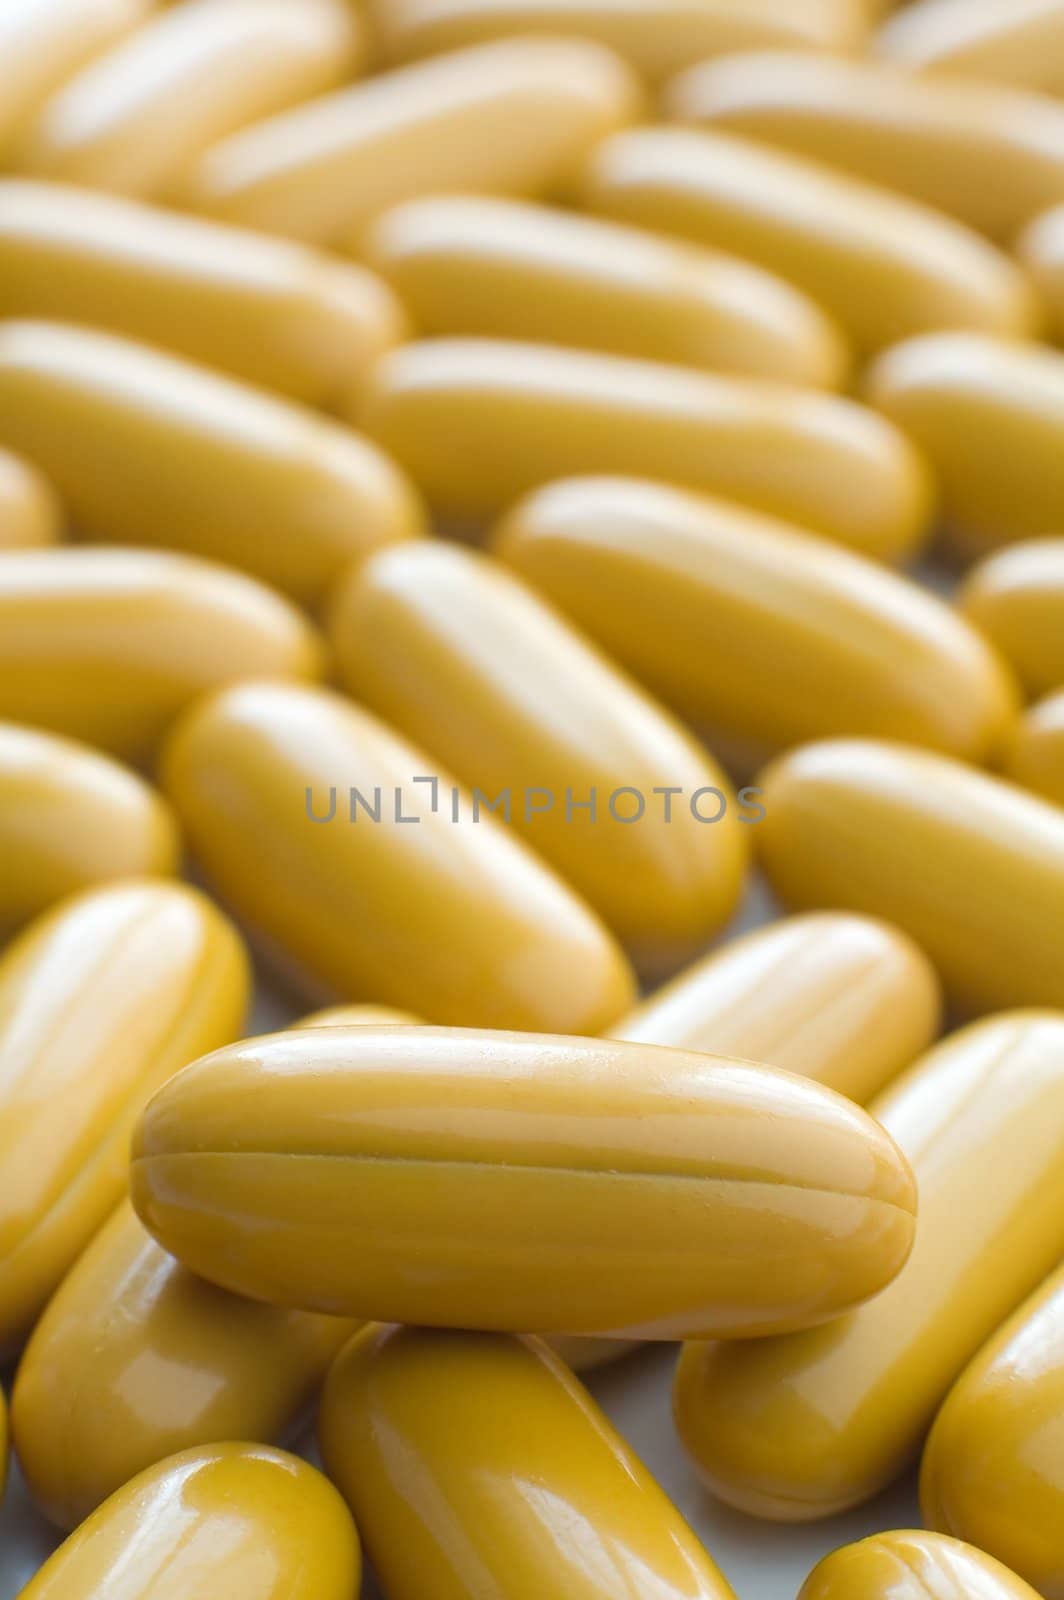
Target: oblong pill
x,y
509,269
1020,42
149,449
510,117
1016,598
100,1001
804,1426
30,515
356,1016
255,1521
477,422
970,867
991,157
912,1566
449,915
848,1001
264,310
1035,755
557,1504
1041,250
109,646
993,1468
574,1185
134,120
884,267
989,416
464,660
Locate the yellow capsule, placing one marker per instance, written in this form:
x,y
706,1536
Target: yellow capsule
x,y
522,1488
110,646
993,1469
991,157
30,515
884,267
356,1016
393,890
1016,598
1041,250
235,1519
1018,42
265,310
970,867
465,661
511,117
989,416
760,634
807,1425
1035,756
478,422
149,449
848,1001
912,1566
137,119
100,1002
573,1185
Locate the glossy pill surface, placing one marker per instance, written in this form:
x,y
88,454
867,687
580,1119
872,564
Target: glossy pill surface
x,y
264,310
804,1426
510,117
30,514
1041,250
968,865
477,422
912,1566
236,1518
149,449
1020,42
570,1185
109,646
100,1001
459,656
523,1489
885,267
509,269
760,634
1016,598
1035,756
455,920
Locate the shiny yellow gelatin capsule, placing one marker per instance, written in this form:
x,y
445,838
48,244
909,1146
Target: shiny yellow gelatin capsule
x,y
757,632
1041,249
912,1566
109,646
991,157
804,1426
149,449
235,1519
1016,598
393,888
265,310
969,866
30,514
885,267
993,1469
571,1185
136,118
510,269
1016,42
512,117
463,659
1035,756
100,1001
523,1487
478,422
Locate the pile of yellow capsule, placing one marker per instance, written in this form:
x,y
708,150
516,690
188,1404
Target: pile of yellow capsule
x,y
456,458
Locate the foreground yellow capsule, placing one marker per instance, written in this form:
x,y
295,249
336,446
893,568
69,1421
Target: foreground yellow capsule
x,y
570,1185
109,646
394,890
993,1469
912,1566
236,1518
523,1489
991,157
510,117
1018,42
508,269
1041,250
464,660
1016,598
264,310
100,1001
30,515
1035,755
760,634
477,422
883,266
148,449
134,120
804,1426
971,867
